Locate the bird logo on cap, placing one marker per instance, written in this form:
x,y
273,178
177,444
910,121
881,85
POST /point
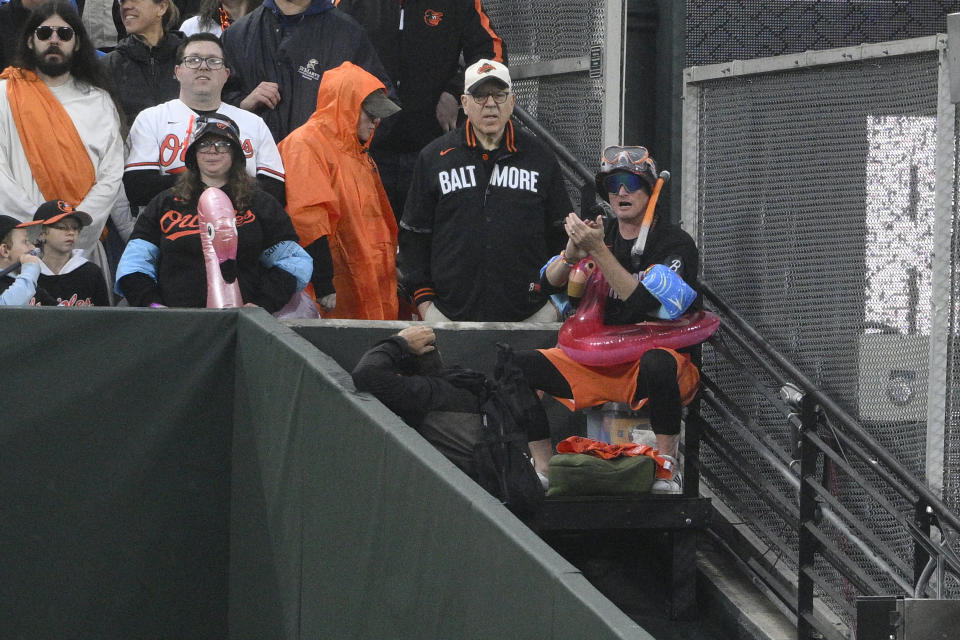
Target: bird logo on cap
x,y
221,125
65,207
432,18
487,68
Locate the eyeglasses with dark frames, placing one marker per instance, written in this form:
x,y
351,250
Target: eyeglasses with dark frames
x,y
44,32
214,146
498,96
194,62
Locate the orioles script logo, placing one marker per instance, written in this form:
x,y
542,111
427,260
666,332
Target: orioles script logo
x,y
432,18
176,224
173,150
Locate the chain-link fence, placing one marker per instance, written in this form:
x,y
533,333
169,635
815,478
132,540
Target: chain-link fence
x,y
549,46
723,30
825,219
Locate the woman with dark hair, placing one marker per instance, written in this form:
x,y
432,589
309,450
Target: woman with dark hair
x,y
215,16
142,64
163,263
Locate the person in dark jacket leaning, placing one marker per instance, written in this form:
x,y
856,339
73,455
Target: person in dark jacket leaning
x,y
484,213
421,43
405,373
141,66
279,51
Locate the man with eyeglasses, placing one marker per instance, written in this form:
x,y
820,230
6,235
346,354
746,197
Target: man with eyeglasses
x,y
160,135
484,213
60,137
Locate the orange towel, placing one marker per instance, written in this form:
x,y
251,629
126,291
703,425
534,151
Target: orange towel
x,y
57,156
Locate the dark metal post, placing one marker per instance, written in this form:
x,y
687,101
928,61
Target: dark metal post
x,y
921,556
588,197
809,457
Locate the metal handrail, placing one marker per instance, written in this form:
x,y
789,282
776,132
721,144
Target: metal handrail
x,y
817,505
942,510
555,145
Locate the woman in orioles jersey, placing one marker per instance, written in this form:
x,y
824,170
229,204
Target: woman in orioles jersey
x,y
163,263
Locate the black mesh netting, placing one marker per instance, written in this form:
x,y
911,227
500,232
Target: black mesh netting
x,y
815,214
724,30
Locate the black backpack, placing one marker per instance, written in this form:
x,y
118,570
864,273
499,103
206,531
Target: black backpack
x,y
502,458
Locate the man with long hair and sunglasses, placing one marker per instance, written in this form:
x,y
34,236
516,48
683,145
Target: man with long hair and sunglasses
x,y
484,212
59,126
623,247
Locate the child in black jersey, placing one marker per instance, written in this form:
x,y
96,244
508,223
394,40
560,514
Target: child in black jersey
x,y
69,278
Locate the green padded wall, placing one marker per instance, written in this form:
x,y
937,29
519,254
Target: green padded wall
x,y
394,541
115,473
211,474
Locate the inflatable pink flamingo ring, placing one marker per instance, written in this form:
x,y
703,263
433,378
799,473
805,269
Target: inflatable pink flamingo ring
x,y
588,341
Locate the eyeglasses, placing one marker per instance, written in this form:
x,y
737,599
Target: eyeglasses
x,y
633,155
44,32
214,146
498,96
614,181
194,62
65,227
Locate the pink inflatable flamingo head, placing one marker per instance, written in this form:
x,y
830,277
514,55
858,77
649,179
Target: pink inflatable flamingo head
x,y
218,237
218,223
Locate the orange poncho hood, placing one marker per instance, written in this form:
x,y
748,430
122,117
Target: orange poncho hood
x,y
334,191
342,91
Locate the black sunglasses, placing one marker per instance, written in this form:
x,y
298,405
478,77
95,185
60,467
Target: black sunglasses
x,y
64,33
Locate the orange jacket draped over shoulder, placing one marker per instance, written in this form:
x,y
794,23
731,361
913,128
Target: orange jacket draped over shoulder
x,y
334,190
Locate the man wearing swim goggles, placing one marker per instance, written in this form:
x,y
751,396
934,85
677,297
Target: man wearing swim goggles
x,y
623,247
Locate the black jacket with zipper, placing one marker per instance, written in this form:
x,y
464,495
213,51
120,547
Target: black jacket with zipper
x,y
143,75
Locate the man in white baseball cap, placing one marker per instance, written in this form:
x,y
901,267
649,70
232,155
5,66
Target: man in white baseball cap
x,y
483,214
487,100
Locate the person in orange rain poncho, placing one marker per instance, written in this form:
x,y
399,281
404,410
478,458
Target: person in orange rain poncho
x,y
337,202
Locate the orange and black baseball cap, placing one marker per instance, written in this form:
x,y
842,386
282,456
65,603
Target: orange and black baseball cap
x,y
483,70
53,211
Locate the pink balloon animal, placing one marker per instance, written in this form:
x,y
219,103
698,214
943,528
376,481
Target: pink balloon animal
x,y
588,341
218,236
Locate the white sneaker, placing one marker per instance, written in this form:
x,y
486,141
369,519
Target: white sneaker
x,y
669,487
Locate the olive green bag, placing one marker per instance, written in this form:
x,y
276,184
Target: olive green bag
x,y
579,474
